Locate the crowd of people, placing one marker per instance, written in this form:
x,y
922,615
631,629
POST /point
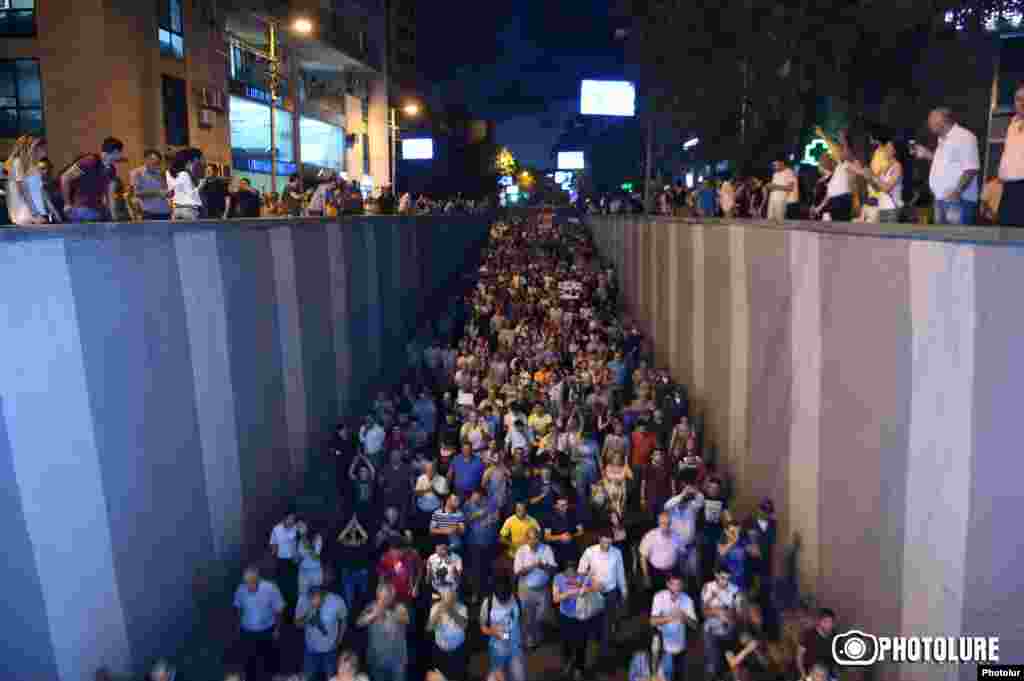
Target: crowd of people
x,y
533,478
181,187
866,181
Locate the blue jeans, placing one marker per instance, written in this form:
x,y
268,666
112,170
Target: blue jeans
x,y
316,664
83,214
354,584
955,212
513,665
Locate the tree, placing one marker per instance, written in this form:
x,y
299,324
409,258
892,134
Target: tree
x,y
505,162
746,76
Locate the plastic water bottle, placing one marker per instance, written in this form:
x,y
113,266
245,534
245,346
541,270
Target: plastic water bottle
x,y
954,214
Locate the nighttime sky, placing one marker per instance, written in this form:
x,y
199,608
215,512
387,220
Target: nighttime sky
x,y
519,62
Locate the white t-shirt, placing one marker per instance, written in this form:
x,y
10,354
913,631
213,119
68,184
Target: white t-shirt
x,y
956,153
673,634
453,570
186,194
839,183
285,540
20,211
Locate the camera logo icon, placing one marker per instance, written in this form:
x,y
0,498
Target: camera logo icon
x,y
855,649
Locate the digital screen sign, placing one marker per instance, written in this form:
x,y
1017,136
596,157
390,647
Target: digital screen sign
x,y
607,98
418,149
571,160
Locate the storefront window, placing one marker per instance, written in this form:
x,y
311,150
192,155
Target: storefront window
x,y
250,137
323,145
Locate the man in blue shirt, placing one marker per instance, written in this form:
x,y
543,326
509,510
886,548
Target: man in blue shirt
x,y
260,606
466,471
707,202
323,615
481,539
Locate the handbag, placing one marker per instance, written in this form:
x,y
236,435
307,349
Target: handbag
x,y
589,604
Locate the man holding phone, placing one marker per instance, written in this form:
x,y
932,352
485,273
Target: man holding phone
x,y
954,173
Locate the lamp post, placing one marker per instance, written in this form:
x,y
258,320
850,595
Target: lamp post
x,y
410,110
272,56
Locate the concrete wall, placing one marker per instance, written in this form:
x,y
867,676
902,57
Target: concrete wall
x,y
161,387
866,383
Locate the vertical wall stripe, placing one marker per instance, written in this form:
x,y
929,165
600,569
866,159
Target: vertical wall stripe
x,y
339,313
805,430
697,326
993,598
674,293
866,384
739,365
766,469
313,288
290,333
28,646
203,289
59,467
941,447
373,297
257,376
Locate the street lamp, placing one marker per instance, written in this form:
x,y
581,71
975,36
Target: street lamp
x,y
410,110
272,55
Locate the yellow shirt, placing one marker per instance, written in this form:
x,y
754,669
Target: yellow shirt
x,y
540,424
514,533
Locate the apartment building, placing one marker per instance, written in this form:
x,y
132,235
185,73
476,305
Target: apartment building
x,y
168,74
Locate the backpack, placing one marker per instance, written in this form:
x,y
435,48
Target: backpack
x,y
516,610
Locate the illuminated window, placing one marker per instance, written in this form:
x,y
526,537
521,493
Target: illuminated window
x,y
21,98
17,17
171,32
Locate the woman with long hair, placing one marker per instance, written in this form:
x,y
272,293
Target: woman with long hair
x,y
885,179
651,664
183,184
28,202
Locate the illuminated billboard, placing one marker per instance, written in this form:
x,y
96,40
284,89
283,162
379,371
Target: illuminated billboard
x,y
570,160
418,149
607,98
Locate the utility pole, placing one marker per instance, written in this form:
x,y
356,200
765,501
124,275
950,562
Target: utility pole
x,y
275,83
648,161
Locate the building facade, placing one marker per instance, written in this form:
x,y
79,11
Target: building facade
x,y
168,74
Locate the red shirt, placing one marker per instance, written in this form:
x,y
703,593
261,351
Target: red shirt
x,y
89,189
643,444
401,567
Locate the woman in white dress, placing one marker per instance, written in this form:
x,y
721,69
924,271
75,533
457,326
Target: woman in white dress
x,y
28,202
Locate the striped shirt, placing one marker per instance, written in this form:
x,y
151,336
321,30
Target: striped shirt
x,y
442,520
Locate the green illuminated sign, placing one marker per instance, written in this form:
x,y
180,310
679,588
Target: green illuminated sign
x,y
814,151
627,186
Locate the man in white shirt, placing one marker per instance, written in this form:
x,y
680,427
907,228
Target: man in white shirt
x,y
284,543
372,436
534,564
682,510
444,569
671,613
783,193
603,563
721,602
954,174
323,615
260,606
659,553
1009,207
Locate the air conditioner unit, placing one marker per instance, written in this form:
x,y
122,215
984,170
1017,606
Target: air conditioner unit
x,y
207,117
